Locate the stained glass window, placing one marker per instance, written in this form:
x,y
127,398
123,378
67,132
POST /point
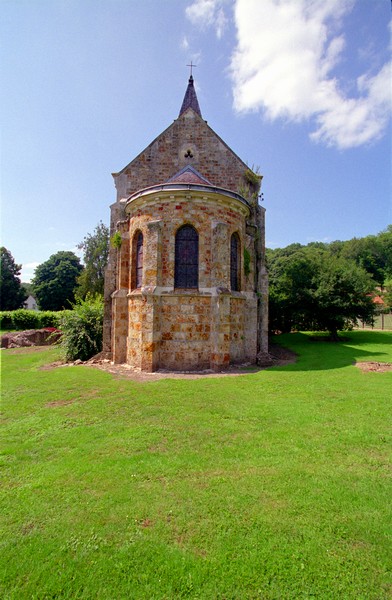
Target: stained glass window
x,y
186,272
234,262
138,259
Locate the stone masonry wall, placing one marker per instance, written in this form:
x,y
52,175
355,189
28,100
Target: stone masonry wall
x,y
186,329
185,332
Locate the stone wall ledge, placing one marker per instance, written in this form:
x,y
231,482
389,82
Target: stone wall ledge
x,y
169,291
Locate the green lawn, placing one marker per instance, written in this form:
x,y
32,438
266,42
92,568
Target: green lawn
x,y
270,485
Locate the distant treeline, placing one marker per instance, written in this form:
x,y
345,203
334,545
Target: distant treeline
x,y
373,253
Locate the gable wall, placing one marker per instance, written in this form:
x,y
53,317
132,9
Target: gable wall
x,y
165,156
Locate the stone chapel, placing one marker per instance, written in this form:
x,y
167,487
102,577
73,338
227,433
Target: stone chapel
x,y
186,286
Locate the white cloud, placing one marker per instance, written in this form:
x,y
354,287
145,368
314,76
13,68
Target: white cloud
x,y
206,13
184,44
283,62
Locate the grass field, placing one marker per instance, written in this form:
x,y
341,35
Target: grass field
x,y
270,485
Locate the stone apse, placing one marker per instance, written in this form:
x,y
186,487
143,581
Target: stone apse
x,y
186,285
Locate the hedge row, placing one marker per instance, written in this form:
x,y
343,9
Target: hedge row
x,y
23,319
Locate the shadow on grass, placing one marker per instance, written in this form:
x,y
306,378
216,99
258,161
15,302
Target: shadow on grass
x,y
316,354
369,336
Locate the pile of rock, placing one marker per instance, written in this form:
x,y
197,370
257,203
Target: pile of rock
x,y
31,337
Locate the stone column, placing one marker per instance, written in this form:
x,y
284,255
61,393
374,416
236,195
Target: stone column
x,y
262,284
116,214
220,270
152,280
151,333
152,255
124,262
220,331
120,326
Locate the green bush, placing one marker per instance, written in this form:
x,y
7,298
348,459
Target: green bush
x,y
50,318
29,319
6,319
26,319
82,329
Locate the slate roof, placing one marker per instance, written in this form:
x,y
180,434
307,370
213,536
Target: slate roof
x,y
190,99
189,175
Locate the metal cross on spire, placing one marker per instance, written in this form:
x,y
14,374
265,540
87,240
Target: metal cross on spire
x,y
191,66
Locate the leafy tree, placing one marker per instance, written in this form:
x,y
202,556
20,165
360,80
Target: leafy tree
x,y
95,248
55,281
387,295
12,294
290,272
385,239
311,289
342,295
373,253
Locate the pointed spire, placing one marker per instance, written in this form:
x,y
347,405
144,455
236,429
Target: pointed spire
x,y
190,99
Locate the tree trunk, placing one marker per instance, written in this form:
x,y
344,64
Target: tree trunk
x,y
334,335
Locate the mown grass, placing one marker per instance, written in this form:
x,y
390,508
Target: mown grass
x,y
270,485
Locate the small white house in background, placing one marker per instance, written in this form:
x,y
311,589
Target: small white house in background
x,y
30,303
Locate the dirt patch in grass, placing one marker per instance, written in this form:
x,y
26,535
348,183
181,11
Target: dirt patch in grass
x,y
60,403
25,349
282,356
279,357
374,367
50,366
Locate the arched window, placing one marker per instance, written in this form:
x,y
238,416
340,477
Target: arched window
x,y
235,263
137,260
186,266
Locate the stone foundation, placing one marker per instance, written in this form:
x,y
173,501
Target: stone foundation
x,y
184,331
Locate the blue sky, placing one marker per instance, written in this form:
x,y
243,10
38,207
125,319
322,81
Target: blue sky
x,y
299,88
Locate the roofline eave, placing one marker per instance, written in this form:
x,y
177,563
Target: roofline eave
x,y
186,187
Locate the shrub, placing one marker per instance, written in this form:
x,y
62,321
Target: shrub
x,y
253,178
6,319
29,319
116,240
25,319
82,329
50,318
